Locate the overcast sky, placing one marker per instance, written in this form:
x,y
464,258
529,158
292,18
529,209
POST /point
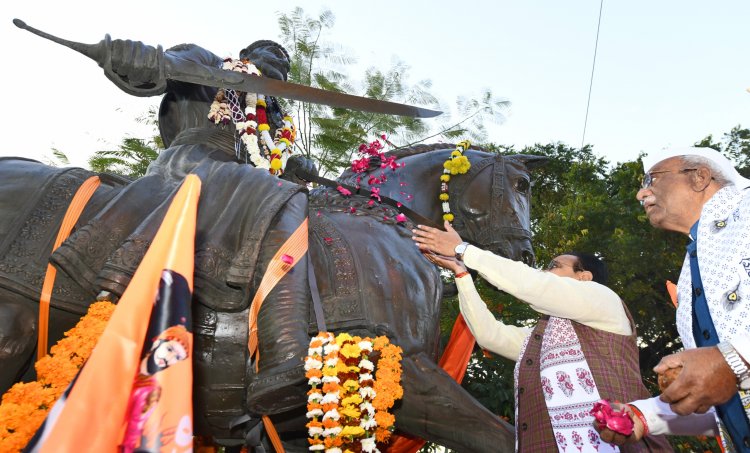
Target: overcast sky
x,y
668,72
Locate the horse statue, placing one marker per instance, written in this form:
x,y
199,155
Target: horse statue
x,y
362,264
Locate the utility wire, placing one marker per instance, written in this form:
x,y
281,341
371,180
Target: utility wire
x,y
591,82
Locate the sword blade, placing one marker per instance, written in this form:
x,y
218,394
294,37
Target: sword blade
x,y
191,72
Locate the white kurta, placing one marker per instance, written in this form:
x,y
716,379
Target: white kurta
x,y
724,261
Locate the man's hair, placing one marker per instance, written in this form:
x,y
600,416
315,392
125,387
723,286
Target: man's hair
x,y
176,333
699,161
592,263
270,57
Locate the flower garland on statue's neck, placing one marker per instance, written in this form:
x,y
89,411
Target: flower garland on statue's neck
x,y
457,164
349,400
269,153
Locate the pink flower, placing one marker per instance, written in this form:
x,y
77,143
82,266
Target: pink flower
x,y
343,191
329,241
400,218
370,203
287,259
375,193
617,421
390,162
360,165
374,180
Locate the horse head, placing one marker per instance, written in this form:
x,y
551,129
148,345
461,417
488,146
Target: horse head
x,y
490,203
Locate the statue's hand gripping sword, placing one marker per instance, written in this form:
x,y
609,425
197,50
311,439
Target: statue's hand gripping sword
x,y
178,69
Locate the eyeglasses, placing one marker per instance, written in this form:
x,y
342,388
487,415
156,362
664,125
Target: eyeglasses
x,y
558,265
648,179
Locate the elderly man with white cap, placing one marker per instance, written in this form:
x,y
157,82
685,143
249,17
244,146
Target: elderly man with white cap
x,y
698,192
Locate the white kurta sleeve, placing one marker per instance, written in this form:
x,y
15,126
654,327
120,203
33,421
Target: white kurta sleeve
x,y
586,302
661,420
490,333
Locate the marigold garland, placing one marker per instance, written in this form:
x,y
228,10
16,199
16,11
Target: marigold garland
x,y
25,405
252,126
348,405
457,164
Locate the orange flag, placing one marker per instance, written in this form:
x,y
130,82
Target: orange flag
x,y
135,390
454,360
672,290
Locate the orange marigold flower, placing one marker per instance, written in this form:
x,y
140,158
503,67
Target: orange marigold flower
x,y
379,342
314,372
384,419
314,424
330,423
330,387
332,442
382,435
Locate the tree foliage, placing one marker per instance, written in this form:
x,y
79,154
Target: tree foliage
x,y
134,155
330,136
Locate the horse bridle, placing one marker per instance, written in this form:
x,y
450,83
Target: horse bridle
x,y
484,237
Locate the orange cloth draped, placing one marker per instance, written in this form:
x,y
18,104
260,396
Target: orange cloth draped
x,y
93,418
454,360
672,290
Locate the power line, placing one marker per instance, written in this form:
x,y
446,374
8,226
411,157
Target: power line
x,y
593,65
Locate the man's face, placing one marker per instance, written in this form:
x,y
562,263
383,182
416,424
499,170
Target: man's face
x,y
669,200
565,266
168,353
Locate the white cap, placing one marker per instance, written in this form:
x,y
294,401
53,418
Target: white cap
x,y
727,168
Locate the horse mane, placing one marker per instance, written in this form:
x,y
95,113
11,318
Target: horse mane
x,y
412,150
422,148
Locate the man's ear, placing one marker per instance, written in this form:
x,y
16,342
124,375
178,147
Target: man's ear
x,y
701,178
585,276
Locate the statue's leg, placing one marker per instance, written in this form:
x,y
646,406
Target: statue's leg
x,y
17,341
282,324
438,409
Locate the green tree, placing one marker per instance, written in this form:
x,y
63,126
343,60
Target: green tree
x,y
58,159
134,155
734,144
131,159
331,136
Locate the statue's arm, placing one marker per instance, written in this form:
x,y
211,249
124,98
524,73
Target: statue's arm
x,y
138,68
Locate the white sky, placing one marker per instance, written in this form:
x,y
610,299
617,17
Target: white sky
x,y
668,73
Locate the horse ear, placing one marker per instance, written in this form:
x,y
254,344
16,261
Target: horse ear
x,y
532,161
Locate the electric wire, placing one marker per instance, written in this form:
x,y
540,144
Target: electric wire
x,y
593,66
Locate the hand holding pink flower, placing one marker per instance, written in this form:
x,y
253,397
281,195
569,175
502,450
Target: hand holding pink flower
x,y
617,421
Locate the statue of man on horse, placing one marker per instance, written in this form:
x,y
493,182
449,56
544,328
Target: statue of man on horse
x,y
361,262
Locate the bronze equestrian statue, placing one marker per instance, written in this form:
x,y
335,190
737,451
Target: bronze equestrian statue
x,y
370,277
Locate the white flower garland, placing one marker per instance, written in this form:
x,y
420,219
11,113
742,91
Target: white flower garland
x,y
225,108
456,164
329,399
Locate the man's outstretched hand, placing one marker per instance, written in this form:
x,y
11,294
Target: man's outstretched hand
x,y
437,241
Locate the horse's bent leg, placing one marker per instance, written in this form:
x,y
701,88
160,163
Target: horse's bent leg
x,y
17,342
438,409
